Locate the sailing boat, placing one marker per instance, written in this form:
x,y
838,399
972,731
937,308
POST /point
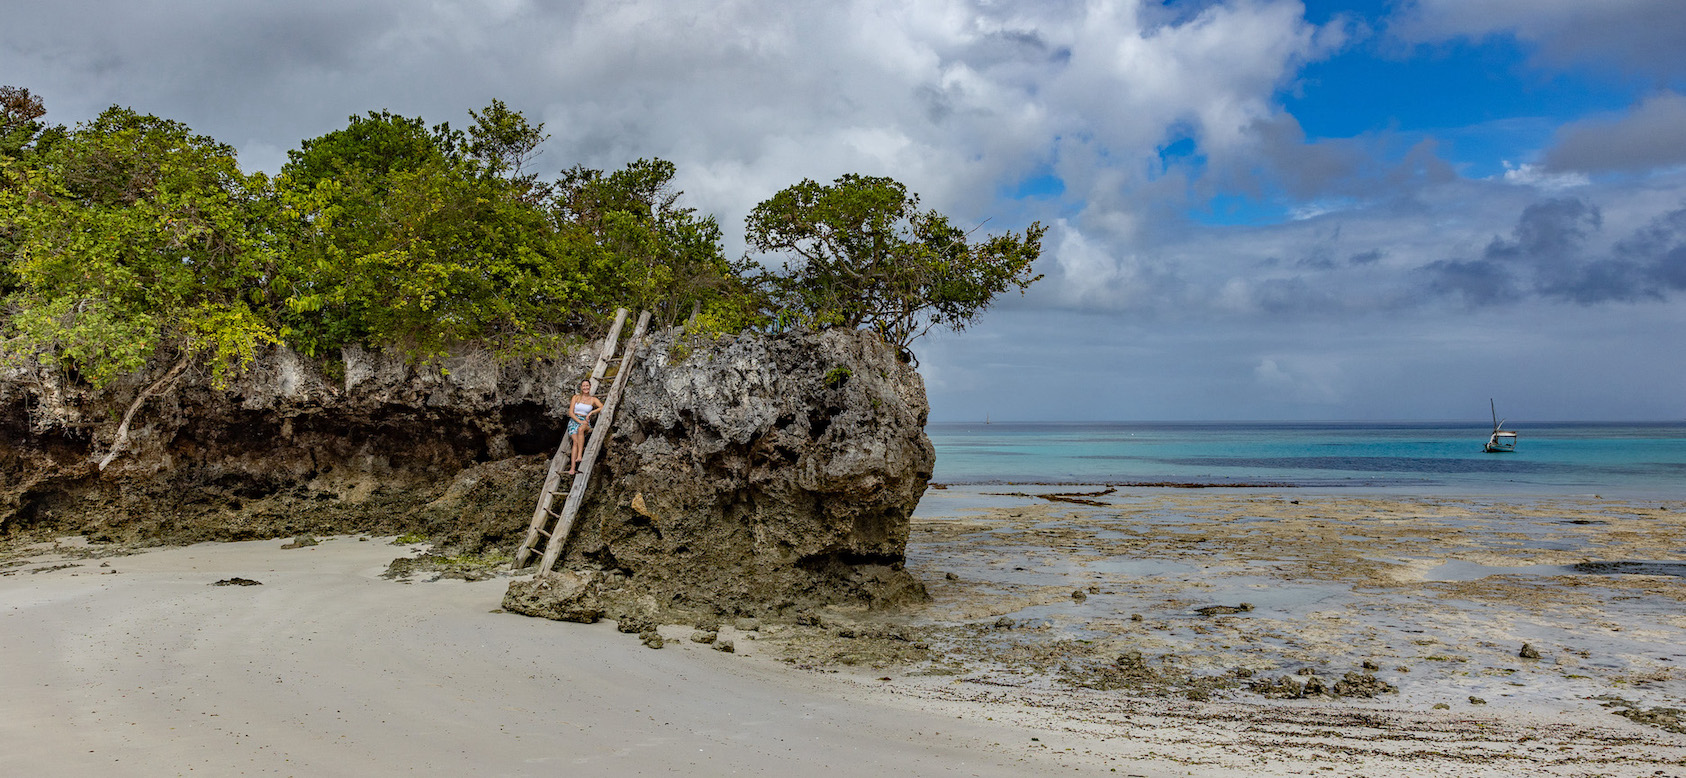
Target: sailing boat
x,y
1500,441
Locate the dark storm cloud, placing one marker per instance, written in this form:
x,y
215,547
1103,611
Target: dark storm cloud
x,y
1652,135
1475,283
1659,250
1549,234
1549,255
1641,36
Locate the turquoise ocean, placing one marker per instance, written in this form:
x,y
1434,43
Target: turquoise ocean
x,y
1634,459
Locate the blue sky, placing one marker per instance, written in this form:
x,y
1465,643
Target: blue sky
x,y
1258,209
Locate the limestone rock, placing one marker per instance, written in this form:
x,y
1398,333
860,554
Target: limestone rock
x,y
750,477
562,596
741,479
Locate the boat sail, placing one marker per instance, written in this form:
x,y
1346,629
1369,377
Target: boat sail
x,y
1502,440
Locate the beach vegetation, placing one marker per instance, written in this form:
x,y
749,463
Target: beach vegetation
x,y
861,253
132,237
131,244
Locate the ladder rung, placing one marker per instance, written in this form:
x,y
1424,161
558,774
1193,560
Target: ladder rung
x,y
546,534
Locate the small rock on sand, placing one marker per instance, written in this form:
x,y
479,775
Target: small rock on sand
x,y
1528,652
725,646
1363,685
651,639
635,625
302,541
704,636
237,581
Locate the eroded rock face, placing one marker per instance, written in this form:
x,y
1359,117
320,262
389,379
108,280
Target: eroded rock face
x,y
765,474
747,476
455,449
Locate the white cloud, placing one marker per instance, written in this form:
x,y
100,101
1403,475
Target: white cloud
x,y
1534,176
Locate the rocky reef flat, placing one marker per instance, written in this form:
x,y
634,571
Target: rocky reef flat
x,y
1434,632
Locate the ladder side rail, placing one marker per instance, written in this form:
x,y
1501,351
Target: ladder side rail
x,y
588,458
553,474
608,351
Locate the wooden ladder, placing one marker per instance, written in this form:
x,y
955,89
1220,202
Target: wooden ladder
x,y
556,537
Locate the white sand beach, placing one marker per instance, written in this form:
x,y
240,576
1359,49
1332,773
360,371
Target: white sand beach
x,y
143,668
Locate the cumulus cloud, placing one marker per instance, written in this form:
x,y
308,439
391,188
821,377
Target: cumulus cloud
x,y
957,98
1651,136
1534,176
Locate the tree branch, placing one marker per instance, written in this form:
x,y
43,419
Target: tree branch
x,y
122,437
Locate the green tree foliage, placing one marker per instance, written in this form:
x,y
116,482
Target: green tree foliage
x,y
130,240
648,251
862,254
505,143
372,147
20,131
20,120
407,237
131,237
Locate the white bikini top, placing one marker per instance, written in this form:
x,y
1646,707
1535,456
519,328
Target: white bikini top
x,y
581,409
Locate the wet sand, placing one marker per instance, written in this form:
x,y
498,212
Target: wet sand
x,y
328,669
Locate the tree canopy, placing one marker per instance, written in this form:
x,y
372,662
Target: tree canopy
x,y
129,240
132,236
862,254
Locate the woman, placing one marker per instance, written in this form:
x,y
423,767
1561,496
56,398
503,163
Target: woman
x,y
581,407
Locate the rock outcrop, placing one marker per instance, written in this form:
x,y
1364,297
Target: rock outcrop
x,y
746,476
768,473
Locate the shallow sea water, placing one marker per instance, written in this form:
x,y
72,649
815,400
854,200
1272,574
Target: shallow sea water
x,y
1551,458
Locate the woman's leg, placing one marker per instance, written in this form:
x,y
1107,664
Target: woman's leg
x,y
579,449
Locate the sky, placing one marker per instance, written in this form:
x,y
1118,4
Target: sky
x,y
1257,209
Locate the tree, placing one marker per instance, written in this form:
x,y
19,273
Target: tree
x,y
648,251
20,112
505,142
136,241
372,147
22,136
137,238
413,237
861,254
